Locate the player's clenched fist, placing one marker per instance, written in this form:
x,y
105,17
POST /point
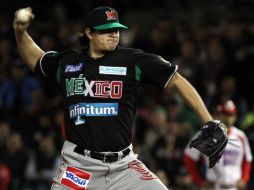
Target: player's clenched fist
x,y
22,19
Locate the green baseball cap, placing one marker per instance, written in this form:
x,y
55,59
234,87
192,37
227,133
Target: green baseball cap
x,y
103,18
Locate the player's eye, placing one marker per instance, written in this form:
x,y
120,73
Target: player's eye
x,y
107,31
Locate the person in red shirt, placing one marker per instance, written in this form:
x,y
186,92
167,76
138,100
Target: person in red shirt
x,y
5,177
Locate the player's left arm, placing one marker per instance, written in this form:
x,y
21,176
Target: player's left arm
x,y
190,96
212,138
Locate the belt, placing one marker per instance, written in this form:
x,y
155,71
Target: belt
x,y
227,186
105,157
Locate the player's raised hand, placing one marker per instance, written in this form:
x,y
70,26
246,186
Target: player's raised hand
x,y
22,19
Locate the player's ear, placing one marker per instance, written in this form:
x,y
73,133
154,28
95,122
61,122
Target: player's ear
x,y
88,33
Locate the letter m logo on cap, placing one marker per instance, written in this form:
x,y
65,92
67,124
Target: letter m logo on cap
x,y
111,15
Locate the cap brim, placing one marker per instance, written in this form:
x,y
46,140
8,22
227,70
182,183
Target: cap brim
x,y
109,26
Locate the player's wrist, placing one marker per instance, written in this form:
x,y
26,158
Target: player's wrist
x,y
19,33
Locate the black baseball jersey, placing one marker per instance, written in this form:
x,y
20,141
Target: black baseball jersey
x,y
100,94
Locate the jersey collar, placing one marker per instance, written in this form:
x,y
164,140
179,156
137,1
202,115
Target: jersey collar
x,y
84,53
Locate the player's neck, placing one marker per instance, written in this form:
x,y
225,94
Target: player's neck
x,y
95,54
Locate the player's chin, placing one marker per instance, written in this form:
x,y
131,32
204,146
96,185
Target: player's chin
x,y
111,46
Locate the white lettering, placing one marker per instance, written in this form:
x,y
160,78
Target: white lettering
x,y
89,87
92,109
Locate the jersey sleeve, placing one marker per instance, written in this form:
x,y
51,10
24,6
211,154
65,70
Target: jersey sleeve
x,y
153,69
247,149
47,65
190,164
192,153
247,159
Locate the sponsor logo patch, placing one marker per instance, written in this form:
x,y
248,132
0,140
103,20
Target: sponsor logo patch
x,y
75,178
112,70
92,110
73,68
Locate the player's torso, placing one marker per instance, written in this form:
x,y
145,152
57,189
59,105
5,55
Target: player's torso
x,y
99,100
229,170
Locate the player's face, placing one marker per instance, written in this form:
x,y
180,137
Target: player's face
x,y
228,119
106,40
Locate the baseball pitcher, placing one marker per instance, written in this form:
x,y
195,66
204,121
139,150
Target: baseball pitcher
x,y
99,84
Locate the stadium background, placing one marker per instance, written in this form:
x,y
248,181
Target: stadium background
x,y
211,41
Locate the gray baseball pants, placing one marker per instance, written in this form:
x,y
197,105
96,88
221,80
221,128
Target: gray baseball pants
x,y
82,172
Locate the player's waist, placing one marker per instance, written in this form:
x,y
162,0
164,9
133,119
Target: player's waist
x,y
107,157
227,187
114,143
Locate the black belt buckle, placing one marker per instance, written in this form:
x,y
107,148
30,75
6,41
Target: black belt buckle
x,y
126,152
111,157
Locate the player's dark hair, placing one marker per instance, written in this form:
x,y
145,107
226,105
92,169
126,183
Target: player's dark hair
x,y
82,37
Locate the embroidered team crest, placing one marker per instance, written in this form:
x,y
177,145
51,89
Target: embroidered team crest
x,y
111,15
75,178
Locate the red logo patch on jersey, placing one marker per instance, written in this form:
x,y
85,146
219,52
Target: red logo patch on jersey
x,y
75,178
111,15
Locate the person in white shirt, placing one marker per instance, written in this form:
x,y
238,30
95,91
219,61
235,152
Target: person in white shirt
x,y
232,172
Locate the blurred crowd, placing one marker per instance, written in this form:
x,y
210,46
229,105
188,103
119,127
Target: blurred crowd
x,y
211,42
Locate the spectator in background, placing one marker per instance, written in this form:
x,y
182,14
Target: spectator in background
x,y
247,126
4,134
156,128
167,151
20,93
183,180
179,112
208,73
233,170
5,176
16,158
234,38
3,76
21,98
5,173
158,124
42,167
48,124
227,89
6,53
162,176
188,60
161,41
